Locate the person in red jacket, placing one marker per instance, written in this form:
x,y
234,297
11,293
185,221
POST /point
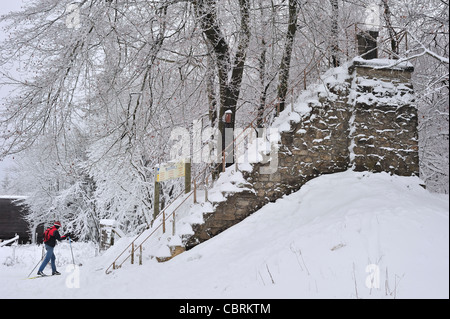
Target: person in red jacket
x,y
51,235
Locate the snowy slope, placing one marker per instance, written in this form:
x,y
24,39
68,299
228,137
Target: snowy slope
x,y
336,237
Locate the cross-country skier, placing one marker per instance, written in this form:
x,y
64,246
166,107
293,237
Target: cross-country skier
x,y
51,235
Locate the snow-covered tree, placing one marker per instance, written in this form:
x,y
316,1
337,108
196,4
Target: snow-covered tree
x,y
427,27
102,84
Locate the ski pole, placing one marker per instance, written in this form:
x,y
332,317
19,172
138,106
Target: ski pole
x,y
42,258
70,244
35,267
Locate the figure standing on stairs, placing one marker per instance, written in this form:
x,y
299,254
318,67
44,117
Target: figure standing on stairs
x,y
51,235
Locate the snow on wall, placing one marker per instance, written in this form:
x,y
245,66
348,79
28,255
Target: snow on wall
x,y
360,116
385,137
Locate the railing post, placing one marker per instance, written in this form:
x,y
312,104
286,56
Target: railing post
x,y
187,176
132,253
223,161
173,224
406,42
304,79
140,255
206,189
235,155
164,221
156,200
195,191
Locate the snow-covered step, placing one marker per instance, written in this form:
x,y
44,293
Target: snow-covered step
x,y
173,251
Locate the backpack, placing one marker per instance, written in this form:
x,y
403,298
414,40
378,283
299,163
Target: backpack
x,y
48,233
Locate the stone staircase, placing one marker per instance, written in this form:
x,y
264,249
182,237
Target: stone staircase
x,y
361,117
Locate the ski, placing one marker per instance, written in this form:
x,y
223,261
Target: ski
x,y
36,277
39,276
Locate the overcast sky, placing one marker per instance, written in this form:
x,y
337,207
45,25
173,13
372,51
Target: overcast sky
x,y
9,5
5,7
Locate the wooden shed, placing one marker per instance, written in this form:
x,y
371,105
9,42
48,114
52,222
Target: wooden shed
x,y
12,220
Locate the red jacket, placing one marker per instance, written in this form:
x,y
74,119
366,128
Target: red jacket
x,y
51,235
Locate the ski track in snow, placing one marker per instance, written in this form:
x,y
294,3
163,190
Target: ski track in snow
x,y
315,243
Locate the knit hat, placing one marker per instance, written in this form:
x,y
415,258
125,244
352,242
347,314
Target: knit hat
x,y
57,224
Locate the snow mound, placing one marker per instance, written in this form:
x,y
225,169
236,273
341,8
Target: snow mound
x,y
344,235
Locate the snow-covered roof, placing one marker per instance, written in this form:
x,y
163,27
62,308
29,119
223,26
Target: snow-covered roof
x,y
14,197
383,63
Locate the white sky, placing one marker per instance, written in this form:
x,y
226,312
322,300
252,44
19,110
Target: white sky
x,y
5,7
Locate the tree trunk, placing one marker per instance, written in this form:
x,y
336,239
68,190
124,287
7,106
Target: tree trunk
x,y
392,33
262,71
286,59
262,78
229,86
334,33
212,102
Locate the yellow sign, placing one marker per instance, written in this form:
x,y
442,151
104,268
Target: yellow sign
x,y
170,171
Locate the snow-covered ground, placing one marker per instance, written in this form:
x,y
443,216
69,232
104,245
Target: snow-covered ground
x,y
345,235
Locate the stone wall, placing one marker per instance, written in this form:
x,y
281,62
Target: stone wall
x,y
384,136
367,122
